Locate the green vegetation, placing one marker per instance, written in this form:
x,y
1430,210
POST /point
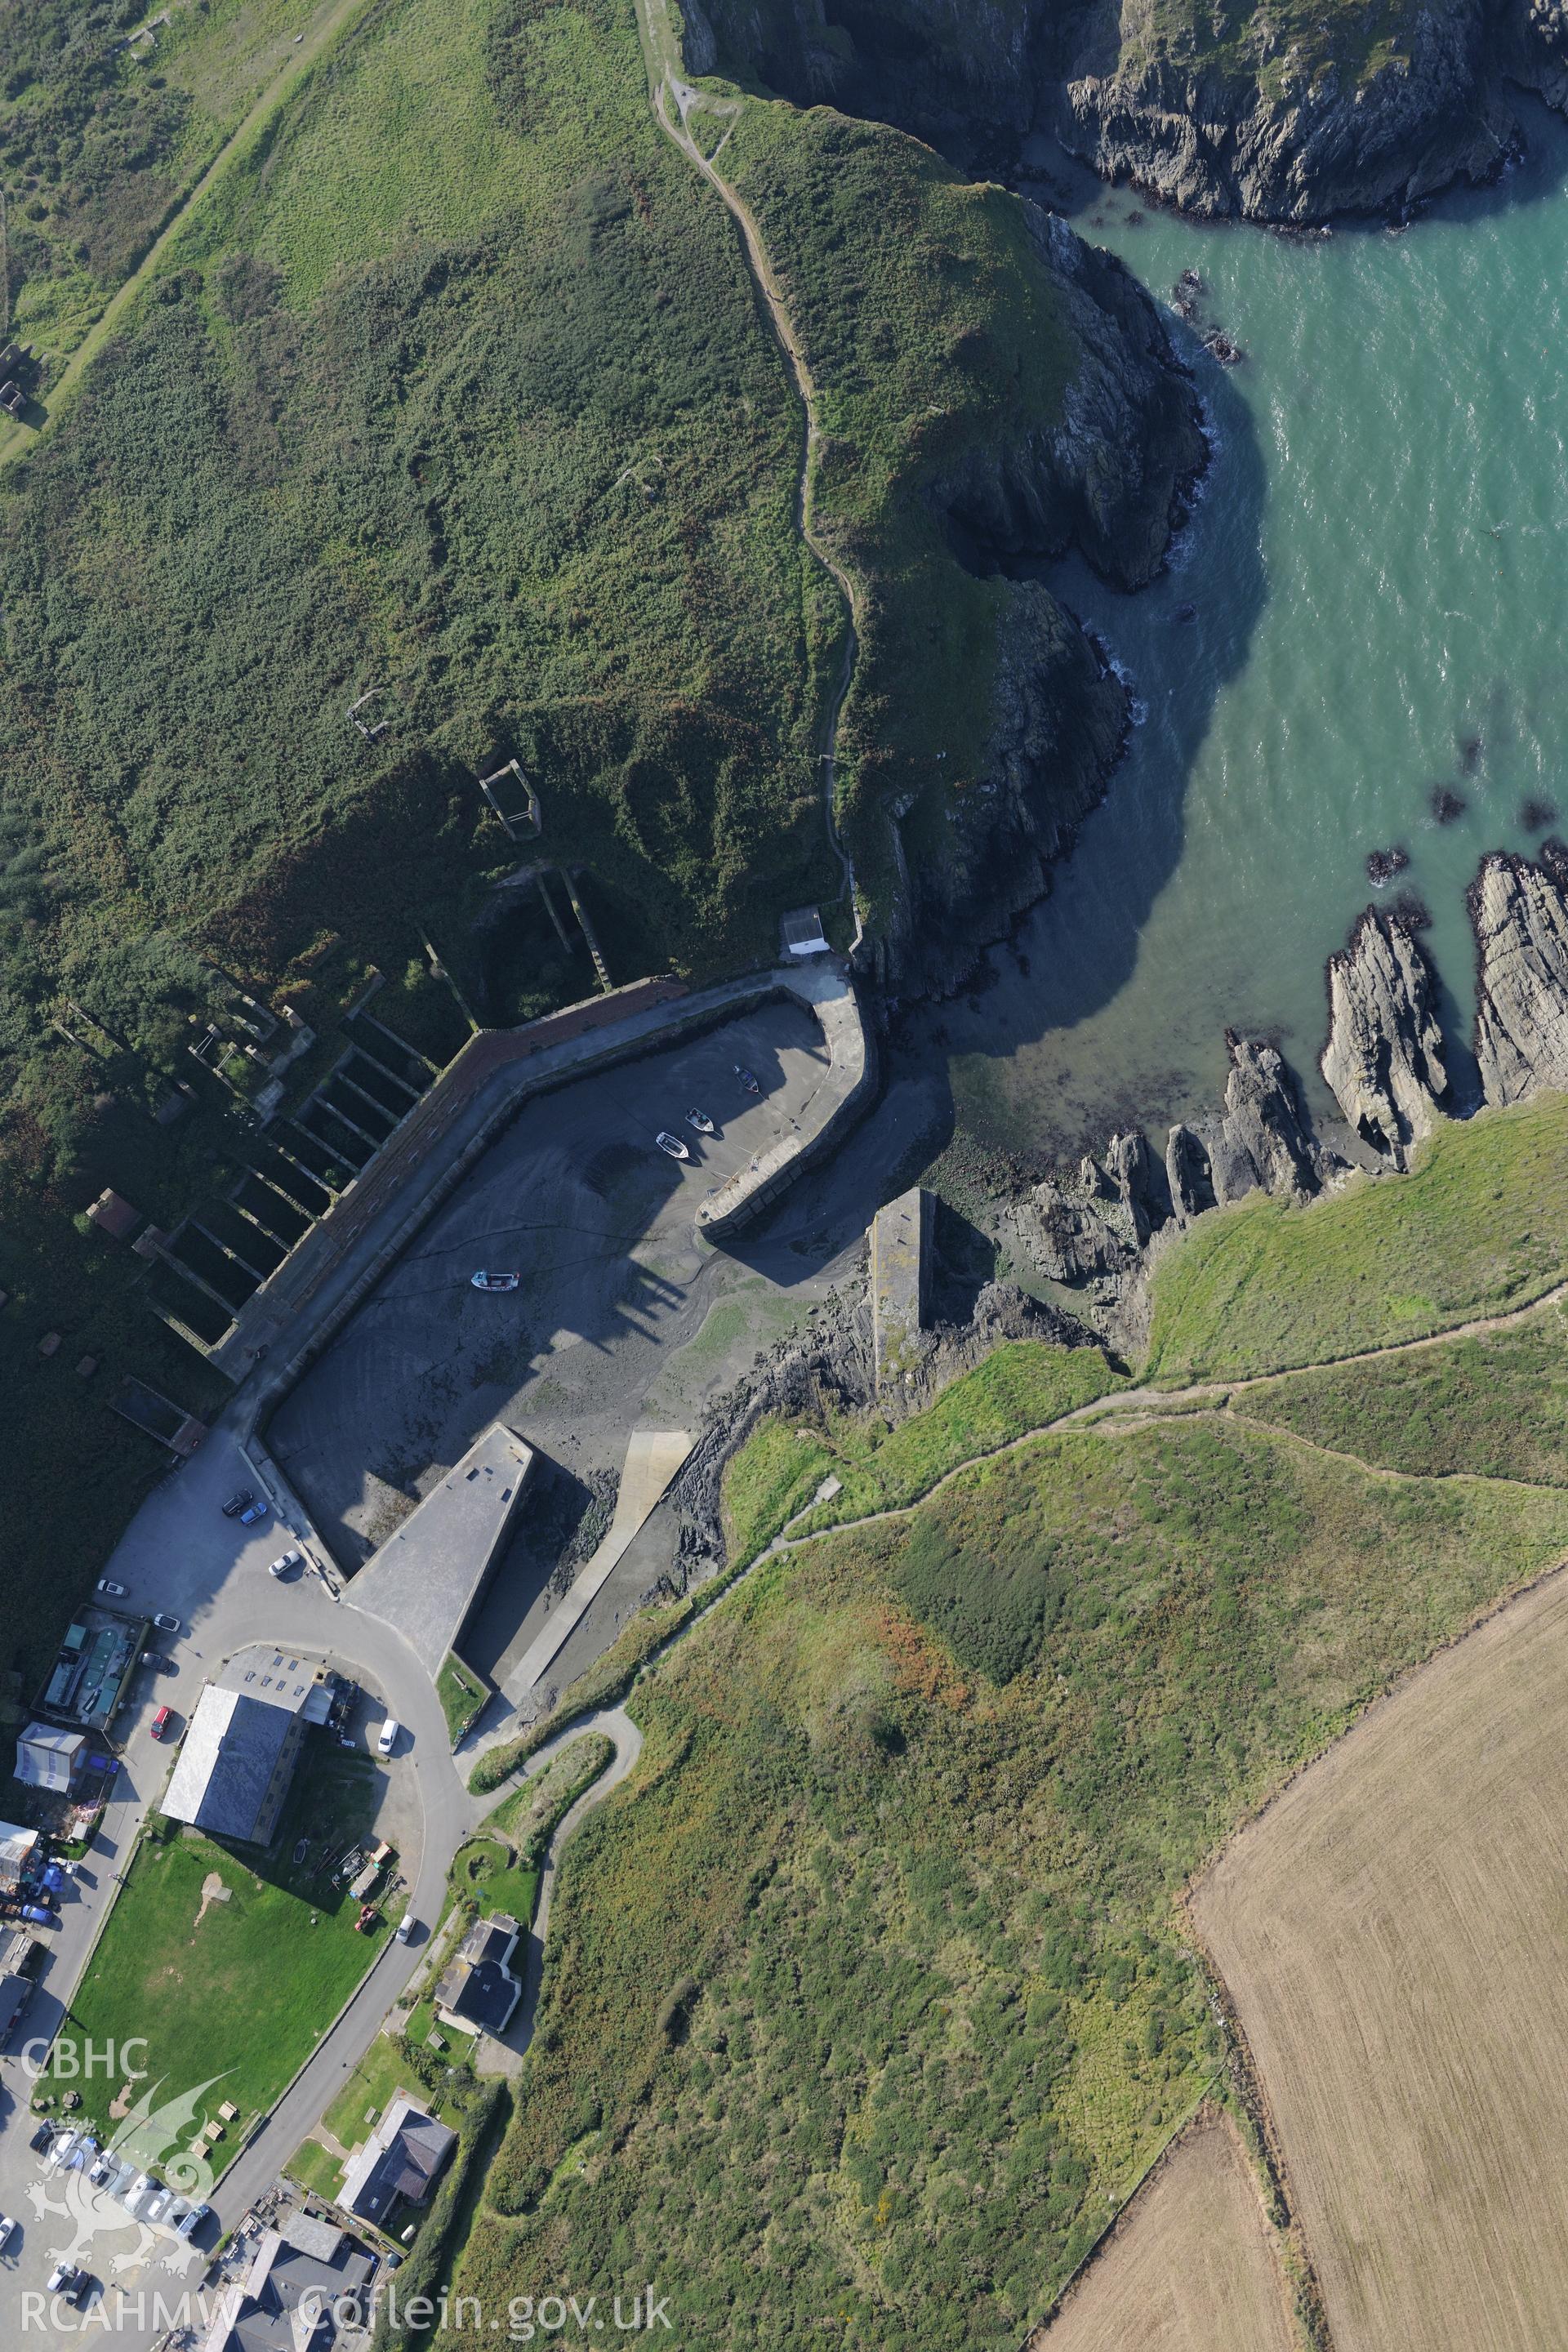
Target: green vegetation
x,y
605,1680
931,331
1475,1229
1020,1386
1241,43
529,1816
462,1693
1495,1406
101,136
485,1877
867,1998
240,1991
298,470
316,2168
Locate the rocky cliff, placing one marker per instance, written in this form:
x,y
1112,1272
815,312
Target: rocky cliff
x,y
1383,1060
1058,721
1289,113
1292,122
1110,473
1520,914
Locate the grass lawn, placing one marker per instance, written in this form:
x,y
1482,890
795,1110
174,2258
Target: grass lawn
x,y
461,1694
482,1872
1495,1405
1480,1226
529,1815
315,2168
242,1996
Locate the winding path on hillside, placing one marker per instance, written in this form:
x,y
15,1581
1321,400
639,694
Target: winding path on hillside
x,y
668,89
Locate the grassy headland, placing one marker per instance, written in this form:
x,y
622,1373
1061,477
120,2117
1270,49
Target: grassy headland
x,y
1475,1229
866,2000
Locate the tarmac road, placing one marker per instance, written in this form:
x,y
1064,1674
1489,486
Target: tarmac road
x,y
615,1292
182,1555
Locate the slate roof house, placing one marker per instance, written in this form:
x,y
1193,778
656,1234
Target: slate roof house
x,y
399,2163
301,2277
479,1991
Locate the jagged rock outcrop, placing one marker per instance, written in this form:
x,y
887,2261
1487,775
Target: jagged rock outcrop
x,y
1132,1170
1263,1140
1079,1229
1058,720
1519,915
1110,478
1188,1174
1384,1061
1233,113
1098,1228
1248,125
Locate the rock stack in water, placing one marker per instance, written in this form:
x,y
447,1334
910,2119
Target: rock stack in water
x,y
1520,914
1383,1060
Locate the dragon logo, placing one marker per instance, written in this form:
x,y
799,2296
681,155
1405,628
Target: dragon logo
x,y
151,2140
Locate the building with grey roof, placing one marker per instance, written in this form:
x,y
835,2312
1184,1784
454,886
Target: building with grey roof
x,y
291,2298
238,1753
399,2163
479,1992
234,1767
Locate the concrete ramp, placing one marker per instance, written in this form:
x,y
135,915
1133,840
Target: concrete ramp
x,y
653,1457
425,1579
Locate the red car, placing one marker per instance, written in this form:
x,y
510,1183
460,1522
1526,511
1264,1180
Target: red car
x,y
162,1721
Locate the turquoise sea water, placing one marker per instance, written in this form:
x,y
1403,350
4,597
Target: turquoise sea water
x,y
1376,570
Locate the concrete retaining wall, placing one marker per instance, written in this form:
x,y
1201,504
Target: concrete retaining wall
x,y
326,1297
828,992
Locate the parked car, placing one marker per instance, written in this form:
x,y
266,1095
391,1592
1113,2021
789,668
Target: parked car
x,y
67,2279
254,1512
494,1281
405,1927
157,1662
236,1503
185,2223
6,2226
111,1591
671,1144
166,1623
41,2137
162,1721
387,1738
286,1563
157,2204
64,2143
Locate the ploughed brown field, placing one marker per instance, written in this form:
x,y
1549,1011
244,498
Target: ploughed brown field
x,y
1393,1930
1193,2267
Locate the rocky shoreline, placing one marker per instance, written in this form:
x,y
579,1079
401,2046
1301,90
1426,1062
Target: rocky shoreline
x,y
1292,118
1116,478
1097,1230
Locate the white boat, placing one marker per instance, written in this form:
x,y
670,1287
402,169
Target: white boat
x,y
495,1281
673,1144
701,1123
